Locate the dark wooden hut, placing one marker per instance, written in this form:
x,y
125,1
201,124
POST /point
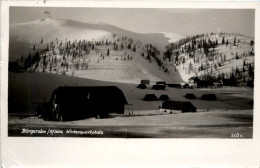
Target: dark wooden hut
x,y
158,87
150,97
146,82
174,85
141,86
209,97
71,103
179,106
161,83
190,96
164,97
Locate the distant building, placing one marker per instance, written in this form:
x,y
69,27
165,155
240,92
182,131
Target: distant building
x,y
177,107
161,83
146,82
141,86
209,97
218,84
158,87
150,97
164,97
174,85
190,96
193,81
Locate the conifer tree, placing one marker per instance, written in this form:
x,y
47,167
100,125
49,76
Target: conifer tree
x,y
223,40
129,46
232,79
250,71
237,71
252,42
134,49
108,52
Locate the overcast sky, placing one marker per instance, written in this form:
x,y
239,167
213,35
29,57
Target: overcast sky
x,y
182,21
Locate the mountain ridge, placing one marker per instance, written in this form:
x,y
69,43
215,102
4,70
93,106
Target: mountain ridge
x,y
46,35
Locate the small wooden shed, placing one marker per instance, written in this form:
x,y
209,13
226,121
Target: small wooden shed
x,y
178,106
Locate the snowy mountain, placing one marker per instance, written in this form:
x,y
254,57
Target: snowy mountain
x,y
23,36
81,49
173,37
218,55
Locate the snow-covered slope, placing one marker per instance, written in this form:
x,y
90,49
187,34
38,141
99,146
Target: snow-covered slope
x,y
222,60
23,36
173,37
122,65
50,29
119,66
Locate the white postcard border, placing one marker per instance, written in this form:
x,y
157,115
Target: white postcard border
x,y
113,152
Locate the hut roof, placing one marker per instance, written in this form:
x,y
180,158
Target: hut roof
x,y
178,105
142,86
150,97
211,97
158,87
145,81
190,96
175,85
164,97
160,83
94,93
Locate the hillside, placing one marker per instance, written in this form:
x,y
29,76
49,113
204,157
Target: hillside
x,y
81,49
221,56
24,35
